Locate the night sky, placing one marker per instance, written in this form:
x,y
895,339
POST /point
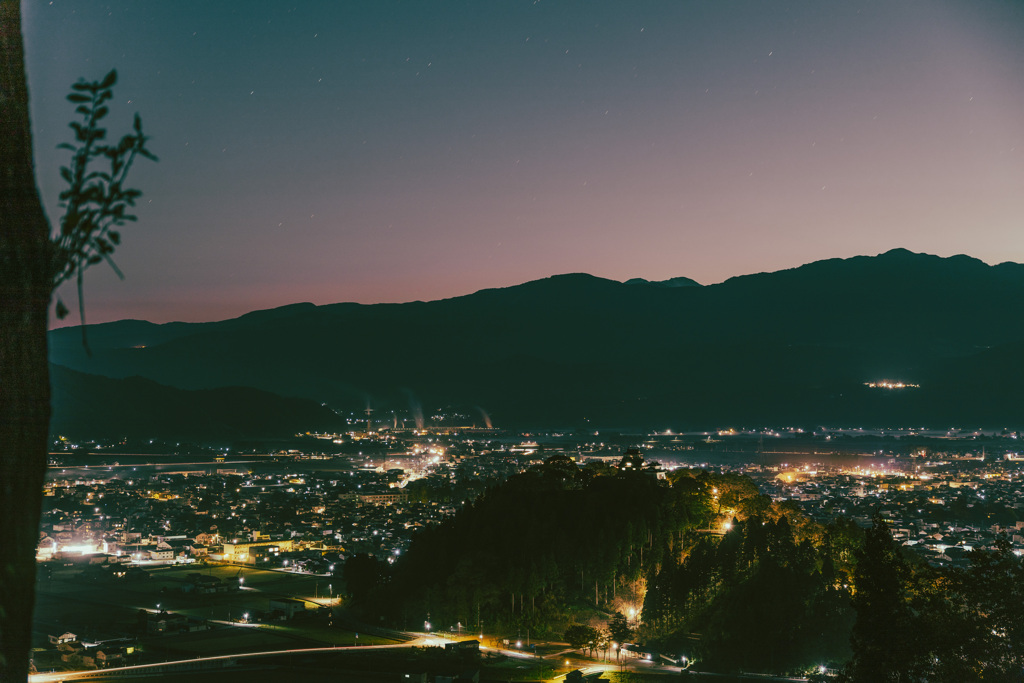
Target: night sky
x,y
392,151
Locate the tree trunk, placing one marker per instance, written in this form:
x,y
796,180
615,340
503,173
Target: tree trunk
x,y
25,284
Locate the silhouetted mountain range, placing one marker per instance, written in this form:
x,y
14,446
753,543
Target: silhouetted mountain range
x,y
794,347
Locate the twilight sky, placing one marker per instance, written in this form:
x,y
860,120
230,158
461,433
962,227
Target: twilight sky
x,y
392,151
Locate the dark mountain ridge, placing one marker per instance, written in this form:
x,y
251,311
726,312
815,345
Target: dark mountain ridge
x,y
134,407
795,345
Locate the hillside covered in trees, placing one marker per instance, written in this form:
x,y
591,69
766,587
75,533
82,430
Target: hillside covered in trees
x,y
706,567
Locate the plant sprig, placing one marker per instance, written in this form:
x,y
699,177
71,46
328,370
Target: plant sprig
x,y
96,200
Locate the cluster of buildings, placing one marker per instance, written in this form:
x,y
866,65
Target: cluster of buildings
x,y
941,509
74,653
294,514
308,514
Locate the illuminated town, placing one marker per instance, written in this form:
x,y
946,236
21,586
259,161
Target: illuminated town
x,y
185,545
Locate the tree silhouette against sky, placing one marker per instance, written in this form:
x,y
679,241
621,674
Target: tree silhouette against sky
x,y
33,262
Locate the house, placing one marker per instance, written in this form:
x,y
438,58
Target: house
x,y
463,646
206,538
163,551
108,656
201,583
246,552
631,461
577,676
76,654
287,606
162,622
46,548
467,676
66,637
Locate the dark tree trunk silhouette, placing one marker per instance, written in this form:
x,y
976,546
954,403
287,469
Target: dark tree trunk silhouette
x,y
25,285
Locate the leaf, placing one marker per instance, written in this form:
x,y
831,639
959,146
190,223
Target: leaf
x,y
109,79
138,123
62,310
66,145
94,259
101,112
78,97
65,173
114,236
70,221
82,86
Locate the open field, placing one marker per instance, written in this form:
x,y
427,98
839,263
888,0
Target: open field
x,y
371,666
97,610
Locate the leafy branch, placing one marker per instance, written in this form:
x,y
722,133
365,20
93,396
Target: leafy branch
x,y
96,201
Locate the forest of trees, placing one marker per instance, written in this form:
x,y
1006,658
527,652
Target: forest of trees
x,y
710,569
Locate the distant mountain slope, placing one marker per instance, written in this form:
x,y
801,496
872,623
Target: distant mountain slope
x,y
93,406
795,345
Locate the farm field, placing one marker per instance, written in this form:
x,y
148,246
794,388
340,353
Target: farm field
x,y
98,610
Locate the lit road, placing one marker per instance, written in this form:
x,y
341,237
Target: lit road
x,y
208,663
419,640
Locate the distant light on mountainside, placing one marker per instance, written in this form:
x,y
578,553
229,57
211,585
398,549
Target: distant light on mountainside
x,y
891,384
